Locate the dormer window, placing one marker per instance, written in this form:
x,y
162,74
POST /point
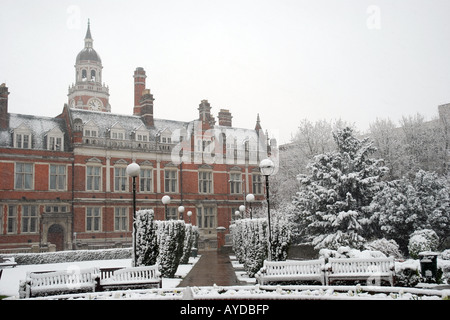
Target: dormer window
x,y
22,137
90,130
55,140
118,132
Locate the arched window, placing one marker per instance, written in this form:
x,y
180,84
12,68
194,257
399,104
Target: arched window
x,y
83,75
92,75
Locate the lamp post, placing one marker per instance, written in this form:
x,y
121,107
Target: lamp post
x,y
133,170
181,211
165,200
242,210
267,167
189,214
250,198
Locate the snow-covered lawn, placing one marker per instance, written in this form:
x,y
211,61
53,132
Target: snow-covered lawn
x,y
9,285
9,282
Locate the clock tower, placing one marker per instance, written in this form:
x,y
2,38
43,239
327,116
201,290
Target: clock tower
x,y
88,92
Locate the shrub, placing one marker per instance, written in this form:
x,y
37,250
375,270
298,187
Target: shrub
x,y
170,235
250,239
70,256
389,247
187,245
146,240
422,240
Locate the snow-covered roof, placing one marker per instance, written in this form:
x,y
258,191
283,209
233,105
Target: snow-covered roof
x,y
39,127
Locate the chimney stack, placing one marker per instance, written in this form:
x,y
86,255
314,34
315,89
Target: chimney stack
x,y
146,108
139,87
204,112
225,118
4,116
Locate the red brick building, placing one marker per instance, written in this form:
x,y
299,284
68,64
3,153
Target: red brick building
x,y
63,180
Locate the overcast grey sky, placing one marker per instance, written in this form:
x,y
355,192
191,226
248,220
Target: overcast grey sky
x,y
286,59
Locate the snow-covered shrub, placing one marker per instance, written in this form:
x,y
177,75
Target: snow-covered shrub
x,y
70,256
445,255
187,245
407,277
146,240
422,240
389,247
281,237
347,252
255,242
170,236
250,241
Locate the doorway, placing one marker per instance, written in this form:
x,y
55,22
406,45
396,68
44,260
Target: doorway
x,y
56,236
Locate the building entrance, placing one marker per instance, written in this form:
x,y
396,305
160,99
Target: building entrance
x,y
56,236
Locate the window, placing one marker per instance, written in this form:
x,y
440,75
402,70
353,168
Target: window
x,y
93,219
55,209
142,137
170,181
172,213
235,182
120,179
90,133
145,183
93,178
120,219
29,219
117,135
256,184
24,176
23,140
206,217
205,182
57,177
55,143
11,226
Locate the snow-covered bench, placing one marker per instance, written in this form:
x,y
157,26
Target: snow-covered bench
x,y
279,271
135,277
5,263
57,282
369,269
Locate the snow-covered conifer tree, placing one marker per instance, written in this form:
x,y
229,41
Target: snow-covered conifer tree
x,y
332,203
146,240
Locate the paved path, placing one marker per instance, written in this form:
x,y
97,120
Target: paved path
x,y
212,268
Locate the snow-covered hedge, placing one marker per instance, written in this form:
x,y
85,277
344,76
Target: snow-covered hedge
x,y
170,243
147,249
187,245
250,242
70,256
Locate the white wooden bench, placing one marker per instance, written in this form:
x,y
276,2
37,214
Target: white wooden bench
x,y
56,282
279,271
369,269
6,263
135,277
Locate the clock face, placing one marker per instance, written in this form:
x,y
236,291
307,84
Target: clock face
x,y
95,104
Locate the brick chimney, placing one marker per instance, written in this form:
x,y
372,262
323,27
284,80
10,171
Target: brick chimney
x,y
139,87
146,108
225,118
4,116
204,113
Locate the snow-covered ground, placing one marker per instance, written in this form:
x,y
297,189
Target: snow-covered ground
x,y
9,286
9,282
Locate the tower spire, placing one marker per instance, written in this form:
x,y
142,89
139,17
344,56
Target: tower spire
x,y
88,38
